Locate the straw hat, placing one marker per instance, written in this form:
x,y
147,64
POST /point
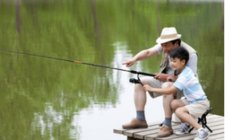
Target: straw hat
x,y
168,34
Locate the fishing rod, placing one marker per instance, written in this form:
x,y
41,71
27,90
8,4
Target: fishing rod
x,y
74,61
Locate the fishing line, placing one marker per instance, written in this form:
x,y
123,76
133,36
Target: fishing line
x,y
74,61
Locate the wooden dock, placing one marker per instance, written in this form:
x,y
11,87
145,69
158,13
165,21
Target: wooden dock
x,y
215,122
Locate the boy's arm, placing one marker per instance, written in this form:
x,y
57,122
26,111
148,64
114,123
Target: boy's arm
x,y
169,90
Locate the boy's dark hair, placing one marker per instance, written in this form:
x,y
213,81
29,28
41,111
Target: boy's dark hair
x,y
180,53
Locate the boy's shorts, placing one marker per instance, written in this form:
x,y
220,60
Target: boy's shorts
x,y
158,84
198,108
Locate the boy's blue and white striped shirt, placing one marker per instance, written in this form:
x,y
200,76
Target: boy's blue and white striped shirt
x,y
190,86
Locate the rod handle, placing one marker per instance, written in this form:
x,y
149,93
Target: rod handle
x,y
142,73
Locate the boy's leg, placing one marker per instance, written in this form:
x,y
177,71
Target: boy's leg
x,y
166,128
167,99
184,115
176,103
183,128
190,112
167,103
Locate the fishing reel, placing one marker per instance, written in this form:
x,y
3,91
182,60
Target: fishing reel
x,y
136,81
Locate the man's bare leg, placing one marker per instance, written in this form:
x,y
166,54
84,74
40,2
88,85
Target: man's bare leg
x,y
139,97
140,102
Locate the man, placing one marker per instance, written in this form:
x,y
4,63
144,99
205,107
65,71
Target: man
x,y
168,40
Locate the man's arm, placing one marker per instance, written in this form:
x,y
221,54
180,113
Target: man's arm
x,y
143,55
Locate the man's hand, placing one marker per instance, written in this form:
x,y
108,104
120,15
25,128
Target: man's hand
x,y
130,62
165,77
171,78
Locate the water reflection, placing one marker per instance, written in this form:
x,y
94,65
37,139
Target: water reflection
x,y
98,121
47,121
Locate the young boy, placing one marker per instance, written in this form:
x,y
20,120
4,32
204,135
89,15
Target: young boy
x,y
194,103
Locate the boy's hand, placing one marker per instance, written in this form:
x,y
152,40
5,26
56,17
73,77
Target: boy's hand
x,y
147,87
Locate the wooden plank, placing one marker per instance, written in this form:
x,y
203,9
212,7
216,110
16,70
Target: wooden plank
x,y
131,132
142,135
131,138
215,128
215,122
211,136
216,135
220,139
213,125
118,131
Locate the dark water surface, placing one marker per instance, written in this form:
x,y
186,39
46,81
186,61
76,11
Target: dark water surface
x,y
43,99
